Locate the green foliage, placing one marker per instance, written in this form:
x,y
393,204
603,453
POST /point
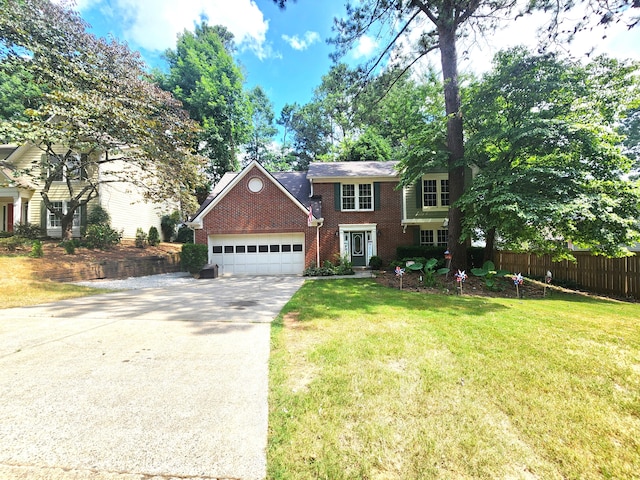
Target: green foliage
x,y
101,236
98,216
262,118
19,90
28,230
541,129
342,266
36,249
193,257
154,237
375,262
69,246
490,274
369,146
13,243
425,251
428,270
141,238
185,235
168,224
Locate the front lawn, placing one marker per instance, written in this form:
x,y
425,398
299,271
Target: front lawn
x,y
372,382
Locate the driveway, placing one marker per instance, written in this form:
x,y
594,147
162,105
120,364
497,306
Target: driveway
x,y
155,383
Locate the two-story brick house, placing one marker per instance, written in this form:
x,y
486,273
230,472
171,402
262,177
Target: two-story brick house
x,y
256,222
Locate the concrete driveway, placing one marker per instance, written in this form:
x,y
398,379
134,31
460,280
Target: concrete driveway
x,y
155,383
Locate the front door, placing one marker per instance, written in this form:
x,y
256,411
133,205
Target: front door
x,y
358,249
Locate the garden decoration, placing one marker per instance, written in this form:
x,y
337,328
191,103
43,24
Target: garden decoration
x,y
447,260
400,273
547,281
517,281
461,276
489,272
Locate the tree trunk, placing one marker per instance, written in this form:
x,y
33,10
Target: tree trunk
x,y
490,239
67,226
455,140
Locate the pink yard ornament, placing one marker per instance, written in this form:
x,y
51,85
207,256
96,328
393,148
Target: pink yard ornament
x,y
461,276
518,280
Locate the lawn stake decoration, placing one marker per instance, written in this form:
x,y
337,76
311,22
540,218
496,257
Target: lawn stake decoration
x,y
547,281
517,281
400,273
461,276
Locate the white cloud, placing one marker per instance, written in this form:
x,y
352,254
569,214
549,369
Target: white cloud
x,y
155,24
366,45
298,43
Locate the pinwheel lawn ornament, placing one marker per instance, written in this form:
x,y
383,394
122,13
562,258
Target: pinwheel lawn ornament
x,y
547,281
461,276
400,273
517,281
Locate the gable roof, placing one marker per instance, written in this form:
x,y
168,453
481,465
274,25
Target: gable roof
x,y
327,170
293,184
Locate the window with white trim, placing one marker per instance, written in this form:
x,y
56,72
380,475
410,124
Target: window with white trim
x,y
74,167
434,237
435,191
357,196
54,222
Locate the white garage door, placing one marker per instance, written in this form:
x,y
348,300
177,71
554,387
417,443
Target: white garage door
x,y
271,254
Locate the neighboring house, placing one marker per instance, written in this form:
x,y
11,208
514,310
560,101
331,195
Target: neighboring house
x,y
21,202
256,222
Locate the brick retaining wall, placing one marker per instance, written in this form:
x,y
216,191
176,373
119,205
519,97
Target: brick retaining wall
x,y
134,267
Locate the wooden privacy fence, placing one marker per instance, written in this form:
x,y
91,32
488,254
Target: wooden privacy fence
x,y
610,276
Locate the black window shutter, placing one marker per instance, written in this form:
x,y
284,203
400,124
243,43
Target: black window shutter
x,y
83,215
419,194
43,215
416,235
336,197
376,195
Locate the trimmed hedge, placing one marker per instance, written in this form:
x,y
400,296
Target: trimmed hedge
x,y
194,256
475,255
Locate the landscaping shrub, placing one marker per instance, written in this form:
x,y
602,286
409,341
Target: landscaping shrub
x,y
36,249
193,257
101,236
12,243
28,230
69,246
168,224
375,262
98,216
185,235
141,238
154,237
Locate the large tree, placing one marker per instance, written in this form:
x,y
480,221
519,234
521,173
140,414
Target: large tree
x,y
263,129
100,109
205,77
541,130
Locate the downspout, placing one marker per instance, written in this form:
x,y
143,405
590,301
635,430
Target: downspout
x,y
319,224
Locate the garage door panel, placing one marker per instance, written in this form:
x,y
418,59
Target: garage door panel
x,y
258,254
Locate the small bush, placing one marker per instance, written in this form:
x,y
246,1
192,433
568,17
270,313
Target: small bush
x,y
36,249
69,246
375,262
154,237
12,243
194,257
185,235
101,236
141,238
28,230
98,216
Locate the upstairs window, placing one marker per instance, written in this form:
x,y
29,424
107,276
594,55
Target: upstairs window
x,y
357,196
73,167
434,191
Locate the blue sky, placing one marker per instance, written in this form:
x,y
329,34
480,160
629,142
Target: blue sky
x,y
285,51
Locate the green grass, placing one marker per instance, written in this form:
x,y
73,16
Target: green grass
x,y
371,382
19,286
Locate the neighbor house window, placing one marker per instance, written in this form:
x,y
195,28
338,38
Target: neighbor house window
x,y
435,191
443,238
54,222
357,196
426,237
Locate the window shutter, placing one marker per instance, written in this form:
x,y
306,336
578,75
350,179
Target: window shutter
x,y
376,195
419,194
83,215
336,197
416,235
